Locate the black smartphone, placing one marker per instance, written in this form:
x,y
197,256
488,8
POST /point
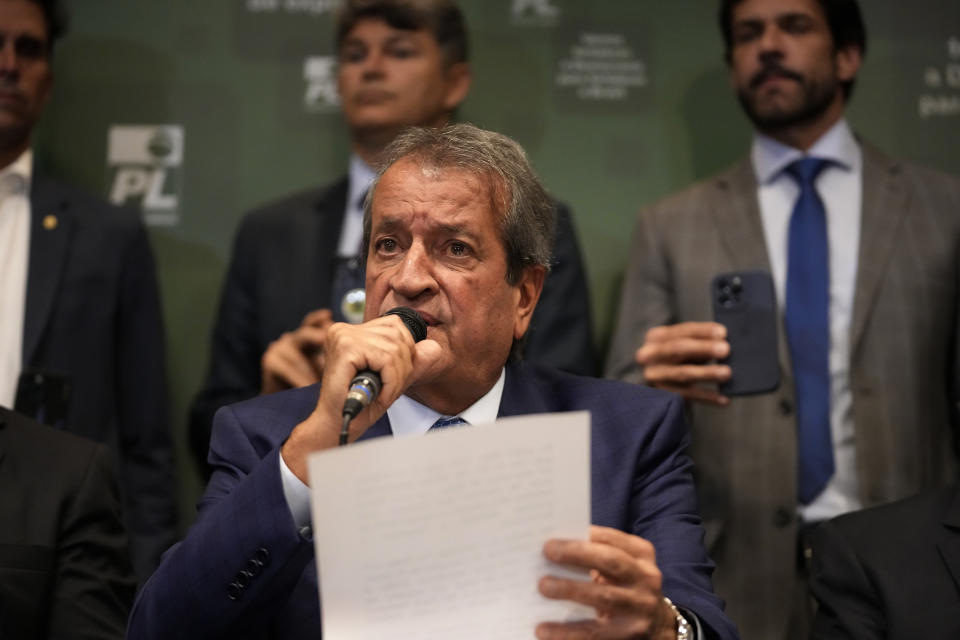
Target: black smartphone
x,y
746,304
43,395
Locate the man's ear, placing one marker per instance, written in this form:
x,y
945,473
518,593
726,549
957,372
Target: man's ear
x,y
847,61
528,288
458,77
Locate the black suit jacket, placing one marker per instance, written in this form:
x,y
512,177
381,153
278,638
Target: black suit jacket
x,y
93,315
64,565
282,267
890,572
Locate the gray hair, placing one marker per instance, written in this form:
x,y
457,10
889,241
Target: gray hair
x,y
527,214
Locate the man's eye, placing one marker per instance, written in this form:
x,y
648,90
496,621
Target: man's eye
x,y
353,55
798,24
30,47
27,47
746,33
402,52
387,245
459,249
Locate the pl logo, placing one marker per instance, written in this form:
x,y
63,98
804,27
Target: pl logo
x,y
534,12
319,74
144,163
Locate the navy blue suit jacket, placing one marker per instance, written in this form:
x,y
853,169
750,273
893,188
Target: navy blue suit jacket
x,y
92,314
640,482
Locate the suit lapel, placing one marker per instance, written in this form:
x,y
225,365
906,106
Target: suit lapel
x,y
301,279
51,225
740,229
378,429
323,243
949,546
737,216
883,208
521,396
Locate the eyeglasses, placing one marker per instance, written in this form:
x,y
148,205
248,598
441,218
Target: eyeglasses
x,y
26,46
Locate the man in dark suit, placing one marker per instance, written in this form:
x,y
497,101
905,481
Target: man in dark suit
x,y
295,262
81,339
865,410
458,228
64,564
891,572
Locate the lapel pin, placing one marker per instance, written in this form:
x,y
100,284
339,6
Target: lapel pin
x,y
50,222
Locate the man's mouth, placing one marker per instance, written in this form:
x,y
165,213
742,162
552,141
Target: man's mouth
x,y
774,73
429,319
10,96
373,96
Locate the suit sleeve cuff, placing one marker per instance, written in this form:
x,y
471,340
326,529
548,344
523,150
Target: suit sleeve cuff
x,y
297,495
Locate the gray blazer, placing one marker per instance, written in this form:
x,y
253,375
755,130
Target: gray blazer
x,y
904,361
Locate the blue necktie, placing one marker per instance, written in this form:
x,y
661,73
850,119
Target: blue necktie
x,y
808,329
443,423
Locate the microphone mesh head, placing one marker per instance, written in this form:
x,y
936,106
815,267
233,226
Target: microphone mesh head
x,y
412,319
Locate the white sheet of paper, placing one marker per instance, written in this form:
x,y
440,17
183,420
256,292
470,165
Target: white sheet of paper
x,y
440,536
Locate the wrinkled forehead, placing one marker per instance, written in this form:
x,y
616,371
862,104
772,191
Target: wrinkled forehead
x,y
416,176
422,193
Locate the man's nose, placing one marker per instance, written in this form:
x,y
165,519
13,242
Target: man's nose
x,y
373,64
9,62
771,41
415,277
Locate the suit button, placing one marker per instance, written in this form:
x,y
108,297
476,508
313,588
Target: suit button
x,y
785,407
782,518
243,579
253,566
234,591
262,556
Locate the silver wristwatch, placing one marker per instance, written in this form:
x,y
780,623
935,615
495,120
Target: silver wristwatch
x,y
684,632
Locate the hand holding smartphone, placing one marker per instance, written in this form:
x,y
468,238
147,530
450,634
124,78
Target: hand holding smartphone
x,y
745,303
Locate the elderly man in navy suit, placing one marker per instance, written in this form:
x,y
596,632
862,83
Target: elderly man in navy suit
x,y
458,228
296,268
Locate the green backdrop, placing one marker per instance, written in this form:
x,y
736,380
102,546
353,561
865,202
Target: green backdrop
x,y
197,110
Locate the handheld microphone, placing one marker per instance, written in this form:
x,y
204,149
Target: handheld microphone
x,y
365,386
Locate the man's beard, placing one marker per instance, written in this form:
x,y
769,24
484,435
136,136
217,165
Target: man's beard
x,y
814,98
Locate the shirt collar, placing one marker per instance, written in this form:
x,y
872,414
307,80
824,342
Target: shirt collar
x,y
409,417
361,175
22,169
838,145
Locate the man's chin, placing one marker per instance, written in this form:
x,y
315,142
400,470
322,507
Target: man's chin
x,y
14,132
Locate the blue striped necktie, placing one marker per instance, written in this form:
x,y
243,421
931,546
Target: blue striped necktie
x,y
443,423
808,329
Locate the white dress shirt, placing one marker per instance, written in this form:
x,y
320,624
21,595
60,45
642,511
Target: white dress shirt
x,y
14,257
840,186
407,418
351,233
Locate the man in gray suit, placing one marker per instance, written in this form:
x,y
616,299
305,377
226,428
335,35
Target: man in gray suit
x,y
875,386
